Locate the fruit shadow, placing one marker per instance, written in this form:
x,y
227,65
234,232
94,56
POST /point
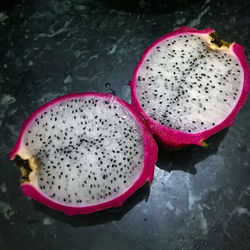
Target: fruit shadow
x,y
186,158
101,217
183,159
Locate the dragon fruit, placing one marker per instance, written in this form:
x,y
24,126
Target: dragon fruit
x,y
189,85
81,153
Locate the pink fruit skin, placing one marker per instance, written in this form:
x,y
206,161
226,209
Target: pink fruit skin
x,y
174,138
150,158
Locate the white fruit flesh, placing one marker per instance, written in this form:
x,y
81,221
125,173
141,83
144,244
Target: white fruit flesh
x,y
83,151
187,84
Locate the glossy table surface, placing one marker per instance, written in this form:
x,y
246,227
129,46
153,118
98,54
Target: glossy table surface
x,y
200,197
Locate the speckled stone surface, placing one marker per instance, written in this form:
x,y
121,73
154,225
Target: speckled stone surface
x,y
200,197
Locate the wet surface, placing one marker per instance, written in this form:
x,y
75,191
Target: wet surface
x,y
200,197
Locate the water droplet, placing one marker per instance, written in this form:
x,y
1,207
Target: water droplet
x,y
108,85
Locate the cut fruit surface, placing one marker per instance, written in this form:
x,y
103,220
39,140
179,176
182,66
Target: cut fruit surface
x,y
189,85
81,153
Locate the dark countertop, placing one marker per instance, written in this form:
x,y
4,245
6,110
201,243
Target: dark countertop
x,y
200,197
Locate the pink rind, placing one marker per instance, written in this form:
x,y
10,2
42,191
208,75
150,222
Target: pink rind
x,y
150,158
175,138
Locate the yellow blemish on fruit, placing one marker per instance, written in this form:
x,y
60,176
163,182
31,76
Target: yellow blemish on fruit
x,y
149,183
203,143
34,166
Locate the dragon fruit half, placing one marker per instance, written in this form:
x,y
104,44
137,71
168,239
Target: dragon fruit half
x,y
81,153
189,85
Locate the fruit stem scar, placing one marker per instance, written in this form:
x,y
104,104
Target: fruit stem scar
x,y
27,167
216,43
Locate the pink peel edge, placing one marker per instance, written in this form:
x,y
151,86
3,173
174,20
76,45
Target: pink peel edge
x,y
150,157
174,138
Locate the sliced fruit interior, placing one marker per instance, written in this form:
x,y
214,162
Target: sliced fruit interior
x,y
190,82
82,151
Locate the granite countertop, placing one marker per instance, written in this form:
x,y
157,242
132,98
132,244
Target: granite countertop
x,y
200,197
